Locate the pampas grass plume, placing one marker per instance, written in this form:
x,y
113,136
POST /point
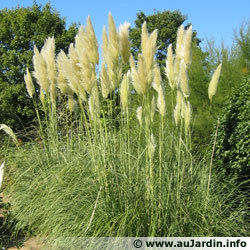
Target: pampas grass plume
x,y
180,41
161,105
124,91
151,50
148,47
29,84
214,83
48,53
69,71
139,115
124,41
105,83
157,78
113,36
144,37
40,70
142,75
62,83
169,70
187,46
178,107
104,45
92,42
9,131
94,103
184,85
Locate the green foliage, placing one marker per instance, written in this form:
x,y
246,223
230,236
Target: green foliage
x,y
20,29
62,190
203,65
167,23
242,38
232,148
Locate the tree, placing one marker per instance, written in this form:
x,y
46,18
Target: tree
x,y
167,23
242,38
21,29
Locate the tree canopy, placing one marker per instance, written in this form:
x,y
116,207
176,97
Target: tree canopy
x,y
20,29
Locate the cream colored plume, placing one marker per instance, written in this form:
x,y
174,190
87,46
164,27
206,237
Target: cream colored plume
x,y
178,107
161,104
73,56
105,45
9,131
124,41
124,91
48,53
92,42
86,41
40,70
180,41
157,78
214,83
94,103
183,78
86,47
113,37
111,54
179,53
105,83
177,64
139,75
67,70
77,70
187,56
142,75
88,73
170,67
148,46
62,83
144,37
139,114
29,84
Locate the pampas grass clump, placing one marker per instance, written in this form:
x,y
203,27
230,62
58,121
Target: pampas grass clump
x,y
116,170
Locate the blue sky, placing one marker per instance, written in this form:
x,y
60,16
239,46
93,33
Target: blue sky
x,y
212,19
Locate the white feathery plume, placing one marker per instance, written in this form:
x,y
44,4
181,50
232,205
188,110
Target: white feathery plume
x,y
214,83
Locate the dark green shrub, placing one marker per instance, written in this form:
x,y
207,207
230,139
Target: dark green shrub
x,y
232,149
